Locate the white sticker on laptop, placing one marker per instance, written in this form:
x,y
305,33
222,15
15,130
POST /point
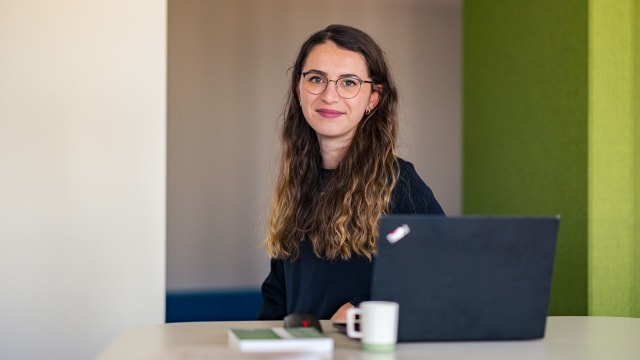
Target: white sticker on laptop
x,y
398,233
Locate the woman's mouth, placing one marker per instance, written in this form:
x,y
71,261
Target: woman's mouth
x,y
330,114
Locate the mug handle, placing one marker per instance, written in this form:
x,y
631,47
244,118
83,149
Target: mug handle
x,y
351,323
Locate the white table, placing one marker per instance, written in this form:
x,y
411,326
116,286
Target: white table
x,y
567,337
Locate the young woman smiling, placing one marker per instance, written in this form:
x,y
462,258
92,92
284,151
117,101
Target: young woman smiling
x,y
339,172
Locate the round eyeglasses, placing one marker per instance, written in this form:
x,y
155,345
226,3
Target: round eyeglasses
x,y
346,86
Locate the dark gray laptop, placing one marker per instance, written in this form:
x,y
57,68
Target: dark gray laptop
x,y
467,277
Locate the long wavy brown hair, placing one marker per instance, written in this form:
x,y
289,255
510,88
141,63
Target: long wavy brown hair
x,y
339,217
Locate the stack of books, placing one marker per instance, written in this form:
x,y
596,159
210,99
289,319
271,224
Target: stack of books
x,y
302,339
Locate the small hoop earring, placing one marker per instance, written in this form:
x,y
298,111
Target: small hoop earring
x,y
367,111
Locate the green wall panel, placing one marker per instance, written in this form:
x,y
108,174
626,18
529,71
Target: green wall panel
x,y
613,185
636,107
552,126
525,124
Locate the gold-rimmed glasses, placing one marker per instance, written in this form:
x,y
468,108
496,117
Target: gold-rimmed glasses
x,y
346,86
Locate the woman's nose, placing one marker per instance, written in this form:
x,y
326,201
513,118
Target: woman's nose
x,y
331,92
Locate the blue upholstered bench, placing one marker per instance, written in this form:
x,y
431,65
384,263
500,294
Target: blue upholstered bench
x,y
212,305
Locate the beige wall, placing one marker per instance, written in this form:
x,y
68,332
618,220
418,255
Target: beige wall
x,y
227,78
82,173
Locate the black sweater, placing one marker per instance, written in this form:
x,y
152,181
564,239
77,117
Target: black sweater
x,y
319,286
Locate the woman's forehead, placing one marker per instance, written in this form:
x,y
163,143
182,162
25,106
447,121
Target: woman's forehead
x,y
333,60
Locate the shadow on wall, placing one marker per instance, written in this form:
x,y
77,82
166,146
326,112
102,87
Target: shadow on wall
x,y
214,305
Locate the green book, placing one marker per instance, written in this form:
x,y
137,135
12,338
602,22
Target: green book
x,y
302,339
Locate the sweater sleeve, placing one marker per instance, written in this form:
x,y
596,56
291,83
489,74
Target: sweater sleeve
x,y
274,303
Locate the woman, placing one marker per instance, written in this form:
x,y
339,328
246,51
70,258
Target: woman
x,y
339,172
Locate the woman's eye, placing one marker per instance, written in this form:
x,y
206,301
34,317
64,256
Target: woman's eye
x,y
348,82
315,79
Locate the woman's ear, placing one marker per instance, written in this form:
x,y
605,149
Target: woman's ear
x,y
374,98
298,90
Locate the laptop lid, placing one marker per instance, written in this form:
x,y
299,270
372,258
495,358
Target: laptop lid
x,y
466,277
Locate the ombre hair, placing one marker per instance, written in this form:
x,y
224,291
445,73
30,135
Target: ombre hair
x,y
341,218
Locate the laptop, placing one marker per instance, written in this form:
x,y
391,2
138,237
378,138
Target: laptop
x,y
467,277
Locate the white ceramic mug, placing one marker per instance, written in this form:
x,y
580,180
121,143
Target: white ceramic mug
x,y
378,325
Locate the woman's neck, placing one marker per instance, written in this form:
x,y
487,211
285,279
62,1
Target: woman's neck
x,y
332,152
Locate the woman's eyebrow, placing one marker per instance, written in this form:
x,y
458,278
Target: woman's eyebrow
x,y
326,75
349,75
316,72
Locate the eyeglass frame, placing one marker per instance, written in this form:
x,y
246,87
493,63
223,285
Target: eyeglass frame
x,y
351,77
